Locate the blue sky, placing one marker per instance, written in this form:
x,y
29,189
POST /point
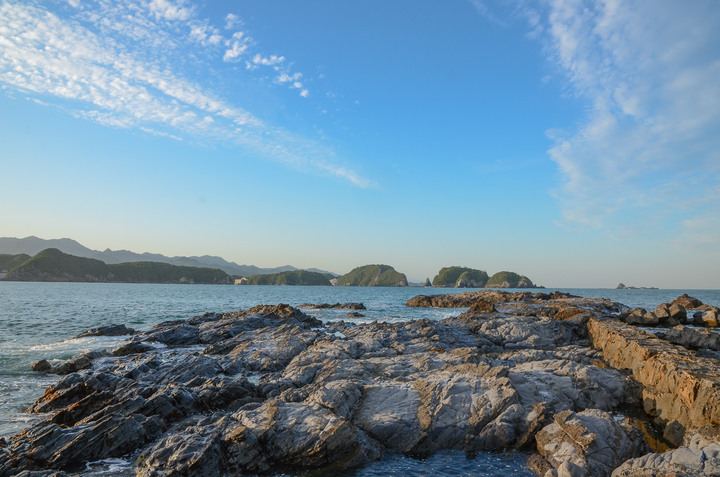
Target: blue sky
x,y
575,142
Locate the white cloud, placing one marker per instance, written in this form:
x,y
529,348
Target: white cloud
x,y
271,60
232,21
105,65
285,77
169,10
650,76
237,46
485,12
205,35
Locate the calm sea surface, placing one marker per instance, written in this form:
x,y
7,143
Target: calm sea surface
x,y
38,320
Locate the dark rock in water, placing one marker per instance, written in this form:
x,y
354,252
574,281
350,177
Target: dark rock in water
x,y
110,330
711,317
271,389
338,306
640,317
72,366
670,315
466,299
693,339
133,347
354,314
42,366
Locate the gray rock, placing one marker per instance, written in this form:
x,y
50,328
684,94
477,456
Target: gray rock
x,y
109,330
42,366
271,388
591,442
294,434
693,338
192,449
640,317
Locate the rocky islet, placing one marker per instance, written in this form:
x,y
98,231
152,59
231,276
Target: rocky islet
x,y
273,388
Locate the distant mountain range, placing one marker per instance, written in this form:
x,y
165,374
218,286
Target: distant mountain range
x,y
33,245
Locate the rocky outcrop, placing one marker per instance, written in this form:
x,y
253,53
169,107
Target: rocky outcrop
x,y
700,457
272,388
692,338
678,385
591,442
336,306
466,299
709,317
109,330
687,301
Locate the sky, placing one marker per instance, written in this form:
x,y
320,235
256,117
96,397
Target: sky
x,y
575,142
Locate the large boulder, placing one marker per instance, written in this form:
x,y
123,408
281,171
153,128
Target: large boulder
x,y
294,434
670,315
641,317
687,301
591,442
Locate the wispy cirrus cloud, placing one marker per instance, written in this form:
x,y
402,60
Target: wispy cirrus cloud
x,y
648,147
109,62
649,74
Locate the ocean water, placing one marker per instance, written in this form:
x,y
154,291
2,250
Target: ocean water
x,y
39,321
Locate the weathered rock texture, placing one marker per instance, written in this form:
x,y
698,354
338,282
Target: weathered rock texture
x,y
272,388
590,442
678,385
699,458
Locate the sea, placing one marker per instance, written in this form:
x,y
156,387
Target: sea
x,y
39,321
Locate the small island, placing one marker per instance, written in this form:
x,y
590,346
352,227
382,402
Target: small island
x,y
373,276
622,286
460,277
292,277
464,277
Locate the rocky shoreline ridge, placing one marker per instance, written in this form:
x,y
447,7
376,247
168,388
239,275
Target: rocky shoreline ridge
x,y
591,387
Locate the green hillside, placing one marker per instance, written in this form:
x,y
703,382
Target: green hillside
x,y
294,277
460,277
509,280
373,276
52,265
157,272
8,262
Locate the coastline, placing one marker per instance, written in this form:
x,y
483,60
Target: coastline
x,y
519,315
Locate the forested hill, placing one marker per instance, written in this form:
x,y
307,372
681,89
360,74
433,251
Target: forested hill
x,y
52,265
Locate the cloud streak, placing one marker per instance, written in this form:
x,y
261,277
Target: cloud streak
x,y
108,62
649,74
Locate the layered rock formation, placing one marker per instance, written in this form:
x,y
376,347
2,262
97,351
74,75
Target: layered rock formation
x,y
272,388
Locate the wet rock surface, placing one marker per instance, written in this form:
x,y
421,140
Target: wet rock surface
x,y
272,388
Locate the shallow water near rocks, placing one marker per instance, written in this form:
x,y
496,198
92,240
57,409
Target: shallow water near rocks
x,y
39,321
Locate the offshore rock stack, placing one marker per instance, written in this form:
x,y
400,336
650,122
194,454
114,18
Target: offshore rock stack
x,y
272,388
